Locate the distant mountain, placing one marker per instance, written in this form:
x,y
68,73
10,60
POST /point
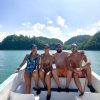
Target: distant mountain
x,y
51,42
79,40
93,43
14,42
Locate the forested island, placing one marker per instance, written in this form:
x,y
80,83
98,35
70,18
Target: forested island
x,y
14,42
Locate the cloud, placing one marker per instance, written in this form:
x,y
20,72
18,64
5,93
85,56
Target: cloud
x,y
39,29
24,32
38,26
60,21
81,31
52,30
3,35
97,23
26,25
50,22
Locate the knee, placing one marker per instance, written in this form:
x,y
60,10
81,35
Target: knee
x,y
48,75
75,75
88,70
35,74
69,73
47,79
54,71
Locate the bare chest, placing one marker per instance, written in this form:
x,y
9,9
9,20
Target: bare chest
x,y
76,60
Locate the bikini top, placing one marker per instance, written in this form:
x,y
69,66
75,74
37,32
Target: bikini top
x,y
46,61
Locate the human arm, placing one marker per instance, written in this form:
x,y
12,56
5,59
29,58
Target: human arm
x,y
69,67
23,62
87,62
53,62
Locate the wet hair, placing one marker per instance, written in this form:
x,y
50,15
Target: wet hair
x,y
74,45
46,46
33,45
58,45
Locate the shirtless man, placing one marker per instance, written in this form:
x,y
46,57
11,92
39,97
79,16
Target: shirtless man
x,y
76,59
60,68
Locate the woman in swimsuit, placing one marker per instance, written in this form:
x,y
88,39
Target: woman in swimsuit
x,y
31,70
45,70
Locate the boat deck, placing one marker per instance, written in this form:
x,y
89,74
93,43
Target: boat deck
x,y
54,94
58,95
14,89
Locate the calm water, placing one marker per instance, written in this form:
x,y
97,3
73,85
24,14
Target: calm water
x,y
10,60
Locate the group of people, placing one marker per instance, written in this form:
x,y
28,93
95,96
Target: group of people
x,y
60,64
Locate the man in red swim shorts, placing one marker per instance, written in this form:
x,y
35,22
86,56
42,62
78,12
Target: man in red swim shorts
x,y
60,68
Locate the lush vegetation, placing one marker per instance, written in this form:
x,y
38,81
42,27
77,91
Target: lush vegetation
x,y
14,42
80,40
93,43
85,42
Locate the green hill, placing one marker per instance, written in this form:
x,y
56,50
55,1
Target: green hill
x,y
79,40
93,43
49,41
14,42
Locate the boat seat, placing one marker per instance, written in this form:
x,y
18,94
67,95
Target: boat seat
x,y
20,86
19,96
89,96
58,96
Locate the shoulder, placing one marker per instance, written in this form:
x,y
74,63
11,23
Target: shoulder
x,y
82,53
27,55
42,55
66,53
51,56
38,55
54,55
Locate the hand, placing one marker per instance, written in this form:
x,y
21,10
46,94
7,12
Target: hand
x,y
17,70
79,72
78,69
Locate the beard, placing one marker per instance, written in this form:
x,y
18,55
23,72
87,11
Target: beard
x,y
59,51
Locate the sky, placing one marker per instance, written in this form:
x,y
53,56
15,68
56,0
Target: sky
x,y
60,19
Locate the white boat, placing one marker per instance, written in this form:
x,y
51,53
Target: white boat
x,y
13,88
